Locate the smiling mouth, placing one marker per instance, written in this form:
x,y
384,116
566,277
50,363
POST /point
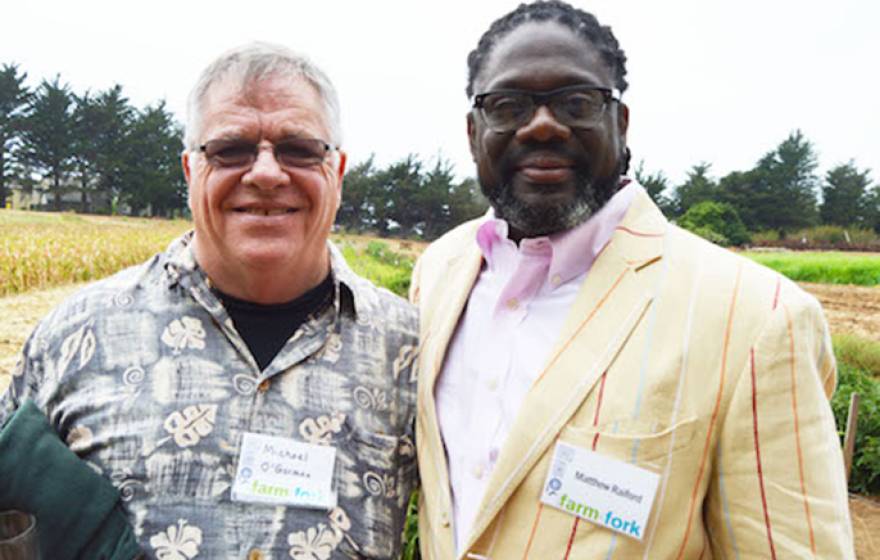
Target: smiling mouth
x,y
265,211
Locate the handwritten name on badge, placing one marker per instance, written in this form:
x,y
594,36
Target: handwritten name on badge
x,y
605,491
281,471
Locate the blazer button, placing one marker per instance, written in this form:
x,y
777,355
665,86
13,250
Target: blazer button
x,y
444,519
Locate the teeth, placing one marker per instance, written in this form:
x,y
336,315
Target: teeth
x,y
260,212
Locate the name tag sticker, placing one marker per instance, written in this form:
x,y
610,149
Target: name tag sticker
x,y
281,471
604,491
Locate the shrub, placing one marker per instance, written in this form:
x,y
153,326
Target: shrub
x,y
865,475
716,221
822,237
859,352
381,266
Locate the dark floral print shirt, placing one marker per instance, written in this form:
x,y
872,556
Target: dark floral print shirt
x,y
146,379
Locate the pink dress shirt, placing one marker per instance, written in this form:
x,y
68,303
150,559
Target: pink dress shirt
x,y
514,314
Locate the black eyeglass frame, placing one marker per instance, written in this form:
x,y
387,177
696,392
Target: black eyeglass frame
x,y
255,150
542,98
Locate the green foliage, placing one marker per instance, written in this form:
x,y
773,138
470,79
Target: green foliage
x,y
824,235
655,184
97,145
824,267
150,164
861,353
48,134
411,530
14,97
845,196
698,187
865,474
716,221
406,199
381,266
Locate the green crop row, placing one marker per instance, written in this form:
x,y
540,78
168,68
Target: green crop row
x,y
861,269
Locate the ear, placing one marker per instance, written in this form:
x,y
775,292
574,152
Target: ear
x,y
184,161
340,175
340,171
622,119
187,174
472,134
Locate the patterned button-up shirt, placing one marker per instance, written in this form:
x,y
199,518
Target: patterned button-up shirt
x,y
145,377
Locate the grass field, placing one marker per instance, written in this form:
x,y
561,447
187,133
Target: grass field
x,y
40,250
861,269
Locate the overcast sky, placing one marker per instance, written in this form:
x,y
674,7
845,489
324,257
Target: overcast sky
x,y
716,81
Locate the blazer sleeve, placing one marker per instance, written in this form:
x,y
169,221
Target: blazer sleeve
x,y
777,488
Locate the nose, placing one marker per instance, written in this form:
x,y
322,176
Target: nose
x,y
543,127
265,173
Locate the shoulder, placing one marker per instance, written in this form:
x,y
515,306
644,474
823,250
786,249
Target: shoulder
x,y
384,309
691,251
124,291
452,242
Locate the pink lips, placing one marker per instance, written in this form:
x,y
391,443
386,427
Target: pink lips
x,y
545,169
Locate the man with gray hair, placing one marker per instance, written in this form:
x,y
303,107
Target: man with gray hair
x,y
247,394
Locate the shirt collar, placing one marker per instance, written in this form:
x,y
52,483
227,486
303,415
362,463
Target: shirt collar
x,y
181,268
573,250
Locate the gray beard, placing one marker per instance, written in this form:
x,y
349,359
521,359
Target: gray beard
x,y
536,221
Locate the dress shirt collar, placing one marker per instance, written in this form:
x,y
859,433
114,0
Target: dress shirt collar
x,y
574,250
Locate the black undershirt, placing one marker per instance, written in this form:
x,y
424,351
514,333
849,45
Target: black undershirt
x,y
265,328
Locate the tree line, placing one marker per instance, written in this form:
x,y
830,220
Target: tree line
x,y
780,193
110,154
116,157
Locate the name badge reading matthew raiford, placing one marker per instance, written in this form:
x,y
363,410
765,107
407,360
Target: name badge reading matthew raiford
x,y
604,491
281,471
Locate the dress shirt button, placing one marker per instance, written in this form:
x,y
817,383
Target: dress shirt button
x,y
492,384
556,280
478,472
255,555
264,386
513,304
493,455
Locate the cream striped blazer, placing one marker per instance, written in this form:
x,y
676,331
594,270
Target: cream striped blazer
x,y
679,357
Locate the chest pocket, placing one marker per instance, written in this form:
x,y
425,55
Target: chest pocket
x,y
633,442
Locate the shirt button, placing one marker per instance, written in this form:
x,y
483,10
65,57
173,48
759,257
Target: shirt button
x,y
478,472
264,386
556,280
492,384
513,303
493,454
255,555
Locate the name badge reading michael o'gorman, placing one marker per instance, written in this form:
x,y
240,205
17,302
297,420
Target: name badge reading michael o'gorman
x,y
281,471
605,491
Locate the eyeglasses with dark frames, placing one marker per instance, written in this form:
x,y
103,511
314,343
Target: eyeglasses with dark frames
x,y
236,153
577,106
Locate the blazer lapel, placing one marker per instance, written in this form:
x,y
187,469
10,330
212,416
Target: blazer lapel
x,y
448,298
612,301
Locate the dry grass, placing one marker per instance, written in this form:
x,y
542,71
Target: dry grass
x,y
39,250
865,514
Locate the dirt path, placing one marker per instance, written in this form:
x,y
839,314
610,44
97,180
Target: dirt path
x,y
850,309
